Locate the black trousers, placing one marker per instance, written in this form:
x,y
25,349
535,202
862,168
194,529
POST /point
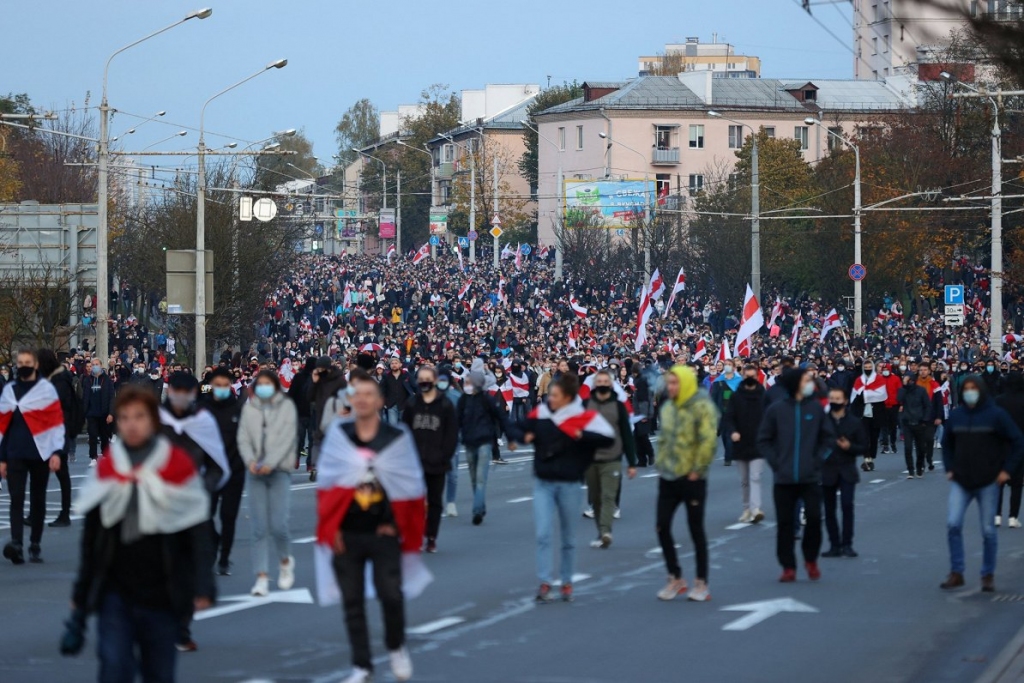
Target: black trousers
x,y
786,498
889,422
99,433
916,438
1016,485
305,436
64,477
692,494
644,449
350,569
32,476
229,499
874,425
845,491
435,502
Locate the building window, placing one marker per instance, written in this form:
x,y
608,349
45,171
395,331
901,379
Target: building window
x,y
472,144
444,189
769,131
834,142
662,186
735,137
561,139
874,45
579,137
663,137
874,13
447,153
886,42
810,95
697,137
800,133
696,183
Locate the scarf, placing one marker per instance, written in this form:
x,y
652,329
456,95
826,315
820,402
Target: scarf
x,y
40,408
167,491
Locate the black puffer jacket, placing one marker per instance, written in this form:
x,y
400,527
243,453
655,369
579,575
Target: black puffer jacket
x,y
558,456
743,414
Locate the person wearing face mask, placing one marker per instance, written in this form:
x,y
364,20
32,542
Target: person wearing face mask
x,y
992,378
50,368
430,417
956,381
450,391
98,404
267,433
981,446
869,396
227,410
839,474
32,445
722,389
195,431
740,422
795,438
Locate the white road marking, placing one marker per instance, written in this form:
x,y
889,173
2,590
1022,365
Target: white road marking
x,y
305,539
765,609
741,525
650,476
877,481
524,499
433,626
576,578
299,596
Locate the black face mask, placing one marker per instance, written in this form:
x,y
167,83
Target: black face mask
x,y
750,381
835,407
426,386
603,391
25,371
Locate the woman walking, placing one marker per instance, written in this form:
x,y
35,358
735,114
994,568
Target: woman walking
x,y
267,436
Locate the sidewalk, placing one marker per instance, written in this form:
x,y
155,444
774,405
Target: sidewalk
x,y
1008,666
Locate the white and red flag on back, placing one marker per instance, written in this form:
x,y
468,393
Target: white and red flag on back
x,y
286,373
1012,338
574,337
830,323
679,286
872,386
751,321
349,475
40,408
574,420
701,350
577,308
423,253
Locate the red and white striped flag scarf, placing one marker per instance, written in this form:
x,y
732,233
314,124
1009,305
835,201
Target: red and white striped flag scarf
x,y
574,419
872,386
341,469
40,408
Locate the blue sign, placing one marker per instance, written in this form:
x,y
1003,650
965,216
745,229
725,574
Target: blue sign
x,y
464,242
473,235
954,295
857,272
525,249
319,228
607,203
434,240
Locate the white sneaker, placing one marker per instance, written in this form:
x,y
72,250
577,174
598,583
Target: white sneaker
x,y
596,543
746,517
451,510
286,579
359,676
401,665
618,514
1014,523
700,592
262,587
674,588
92,463
589,512
999,520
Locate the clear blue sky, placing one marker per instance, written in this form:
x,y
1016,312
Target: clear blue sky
x,y
342,50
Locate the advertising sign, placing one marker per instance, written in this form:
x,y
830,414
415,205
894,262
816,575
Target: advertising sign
x,y
386,224
438,221
606,203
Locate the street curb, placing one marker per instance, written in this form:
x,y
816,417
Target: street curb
x,y
1008,666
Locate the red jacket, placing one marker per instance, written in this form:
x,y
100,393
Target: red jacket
x,y
893,384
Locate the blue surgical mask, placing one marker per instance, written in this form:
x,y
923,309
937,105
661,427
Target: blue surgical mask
x,y
264,391
971,397
221,393
97,370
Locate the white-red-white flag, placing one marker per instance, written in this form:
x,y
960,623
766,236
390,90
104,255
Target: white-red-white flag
x,y
464,289
777,311
723,352
795,337
519,257
507,251
679,286
657,285
391,251
830,323
423,253
751,321
701,350
577,308
546,312
574,337
41,411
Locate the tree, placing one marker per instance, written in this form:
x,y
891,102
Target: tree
x,y
668,64
35,309
547,98
273,170
359,126
517,222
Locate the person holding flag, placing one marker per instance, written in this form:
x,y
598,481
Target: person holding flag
x,y
679,286
868,402
751,321
370,509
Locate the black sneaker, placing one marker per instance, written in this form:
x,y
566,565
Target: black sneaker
x,y
35,554
499,461
848,551
224,569
431,545
478,519
312,474
63,519
931,467
833,552
920,473
14,553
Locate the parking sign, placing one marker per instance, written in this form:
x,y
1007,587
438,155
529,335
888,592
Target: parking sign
x,y
954,295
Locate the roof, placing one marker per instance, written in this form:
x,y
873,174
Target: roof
x,y
508,119
861,95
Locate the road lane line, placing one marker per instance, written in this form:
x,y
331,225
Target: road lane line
x,y
524,499
434,626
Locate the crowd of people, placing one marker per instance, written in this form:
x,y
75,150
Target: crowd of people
x,y
383,373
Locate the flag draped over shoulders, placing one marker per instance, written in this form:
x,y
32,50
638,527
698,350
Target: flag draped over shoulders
x,y
40,408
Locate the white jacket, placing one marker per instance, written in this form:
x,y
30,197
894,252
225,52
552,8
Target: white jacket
x,y
268,432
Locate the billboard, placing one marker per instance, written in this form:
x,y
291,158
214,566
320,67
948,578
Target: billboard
x,y
607,203
386,223
438,220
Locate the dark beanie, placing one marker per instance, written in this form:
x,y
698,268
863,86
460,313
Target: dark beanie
x,y
791,379
182,381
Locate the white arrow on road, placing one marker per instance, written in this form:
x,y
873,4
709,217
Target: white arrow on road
x,y
298,596
759,611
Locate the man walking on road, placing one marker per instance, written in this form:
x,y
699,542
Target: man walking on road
x,y
742,419
604,476
98,396
226,409
981,445
70,405
839,475
686,448
795,438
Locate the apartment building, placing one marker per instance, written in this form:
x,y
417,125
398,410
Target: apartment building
x,y
658,128
692,55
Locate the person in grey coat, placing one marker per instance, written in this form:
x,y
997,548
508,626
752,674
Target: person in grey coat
x,y
267,433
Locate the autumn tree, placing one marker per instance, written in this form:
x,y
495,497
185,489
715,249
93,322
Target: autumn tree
x,y
359,126
273,170
545,99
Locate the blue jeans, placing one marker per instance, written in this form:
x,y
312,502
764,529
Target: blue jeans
x,y
452,479
565,497
269,496
392,415
121,628
478,458
959,499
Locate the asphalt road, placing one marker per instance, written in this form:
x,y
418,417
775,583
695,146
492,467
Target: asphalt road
x,y
877,618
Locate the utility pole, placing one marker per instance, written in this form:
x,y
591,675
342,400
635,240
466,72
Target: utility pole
x,y
559,221
472,206
398,215
755,223
496,255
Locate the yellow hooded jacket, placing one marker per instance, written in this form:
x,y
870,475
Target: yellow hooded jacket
x,y
689,425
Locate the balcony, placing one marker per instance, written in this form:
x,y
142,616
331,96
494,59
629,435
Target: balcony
x,y
668,156
445,170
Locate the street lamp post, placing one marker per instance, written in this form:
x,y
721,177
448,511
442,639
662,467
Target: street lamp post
x,y
755,207
201,219
559,220
398,234
647,201
103,160
858,293
383,186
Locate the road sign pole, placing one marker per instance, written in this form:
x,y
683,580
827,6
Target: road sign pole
x,y
472,206
858,286
496,255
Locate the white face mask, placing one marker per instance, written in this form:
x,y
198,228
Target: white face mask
x,y
885,373
807,390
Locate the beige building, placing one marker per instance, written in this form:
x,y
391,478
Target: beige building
x,y
889,35
658,129
719,58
